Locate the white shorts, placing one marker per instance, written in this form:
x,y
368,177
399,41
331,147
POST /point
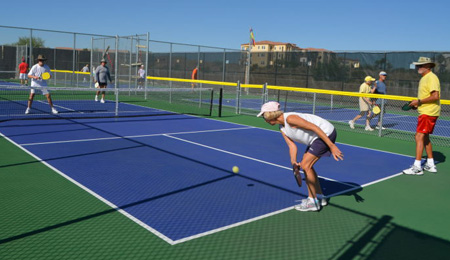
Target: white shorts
x,y
43,90
23,76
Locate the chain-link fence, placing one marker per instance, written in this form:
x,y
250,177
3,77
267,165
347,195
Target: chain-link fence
x,y
348,111
309,69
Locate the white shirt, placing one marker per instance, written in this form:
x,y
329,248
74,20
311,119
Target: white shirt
x,y
85,69
141,73
306,136
37,71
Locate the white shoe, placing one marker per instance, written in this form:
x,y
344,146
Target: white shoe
x,y
378,127
430,168
96,98
27,111
102,101
368,128
54,111
414,170
352,124
308,205
323,201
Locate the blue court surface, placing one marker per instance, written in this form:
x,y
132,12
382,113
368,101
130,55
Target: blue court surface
x,y
172,175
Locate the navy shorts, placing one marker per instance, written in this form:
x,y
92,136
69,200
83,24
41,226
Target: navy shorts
x,y
319,148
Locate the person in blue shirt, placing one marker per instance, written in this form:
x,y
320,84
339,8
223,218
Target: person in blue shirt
x,y
380,88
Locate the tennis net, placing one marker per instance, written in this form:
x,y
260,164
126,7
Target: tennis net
x,y
80,102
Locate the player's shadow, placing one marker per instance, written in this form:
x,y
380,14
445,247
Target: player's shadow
x,y
336,188
438,157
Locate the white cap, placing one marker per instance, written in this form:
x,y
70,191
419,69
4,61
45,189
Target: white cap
x,y
383,73
270,106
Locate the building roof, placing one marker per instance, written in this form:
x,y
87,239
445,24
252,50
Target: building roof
x,y
272,43
316,49
288,43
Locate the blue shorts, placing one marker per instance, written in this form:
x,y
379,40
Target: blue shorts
x,y
319,148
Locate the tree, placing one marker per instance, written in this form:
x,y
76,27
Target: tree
x,y
37,42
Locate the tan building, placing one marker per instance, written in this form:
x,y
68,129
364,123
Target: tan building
x,y
261,50
265,53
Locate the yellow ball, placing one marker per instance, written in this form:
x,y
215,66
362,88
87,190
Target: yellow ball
x,y
235,169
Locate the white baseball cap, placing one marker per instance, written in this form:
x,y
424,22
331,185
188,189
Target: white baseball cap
x,y
383,73
270,106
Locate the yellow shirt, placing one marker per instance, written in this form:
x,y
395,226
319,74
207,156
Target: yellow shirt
x,y
427,84
364,88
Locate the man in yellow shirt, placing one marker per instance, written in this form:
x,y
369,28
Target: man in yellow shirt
x,y
429,107
364,103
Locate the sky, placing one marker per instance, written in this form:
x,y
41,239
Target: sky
x,y
336,25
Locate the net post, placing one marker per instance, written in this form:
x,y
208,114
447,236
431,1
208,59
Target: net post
x,y
220,101
238,97
211,103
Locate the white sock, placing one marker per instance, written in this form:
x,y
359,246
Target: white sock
x,y
418,163
430,161
313,199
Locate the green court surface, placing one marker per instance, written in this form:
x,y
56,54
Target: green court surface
x,y
44,216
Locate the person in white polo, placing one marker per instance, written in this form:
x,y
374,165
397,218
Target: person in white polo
x,y
318,134
38,84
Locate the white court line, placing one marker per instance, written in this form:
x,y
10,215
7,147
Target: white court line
x,y
107,202
136,136
231,226
40,101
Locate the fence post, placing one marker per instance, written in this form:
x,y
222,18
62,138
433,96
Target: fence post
x,y
116,68
238,98
381,118
314,104
146,64
73,59
91,71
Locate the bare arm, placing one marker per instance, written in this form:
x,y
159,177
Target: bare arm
x,y
292,149
434,96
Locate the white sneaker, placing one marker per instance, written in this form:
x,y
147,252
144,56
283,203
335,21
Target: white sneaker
x,y
308,205
54,111
352,124
368,128
27,111
323,201
102,101
378,127
430,168
414,170
96,98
